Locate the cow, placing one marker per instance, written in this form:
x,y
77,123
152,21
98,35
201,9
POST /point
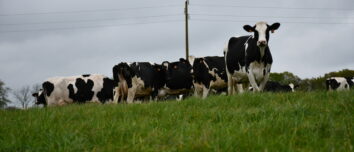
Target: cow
x,y
273,86
75,89
137,80
339,83
178,79
208,73
248,58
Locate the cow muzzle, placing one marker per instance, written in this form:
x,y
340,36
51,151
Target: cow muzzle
x,y
262,43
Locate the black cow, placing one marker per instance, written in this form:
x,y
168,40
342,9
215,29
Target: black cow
x,y
339,83
248,58
177,77
208,73
272,86
137,80
80,89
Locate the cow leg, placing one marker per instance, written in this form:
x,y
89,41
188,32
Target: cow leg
x,y
239,87
264,82
116,95
61,102
253,81
197,90
230,84
205,92
131,94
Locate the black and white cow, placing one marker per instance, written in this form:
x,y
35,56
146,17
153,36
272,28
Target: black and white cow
x,y
272,86
178,78
248,58
339,83
137,80
208,73
80,89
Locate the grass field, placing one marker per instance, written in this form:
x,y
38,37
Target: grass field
x,y
302,121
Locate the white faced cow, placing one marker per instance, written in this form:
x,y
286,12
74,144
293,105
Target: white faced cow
x,y
248,58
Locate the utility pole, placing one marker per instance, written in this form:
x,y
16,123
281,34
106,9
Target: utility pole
x,y
186,18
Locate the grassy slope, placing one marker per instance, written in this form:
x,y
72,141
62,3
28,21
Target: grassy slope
x,y
316,121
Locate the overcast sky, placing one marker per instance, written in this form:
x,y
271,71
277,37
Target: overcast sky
x,y
46,38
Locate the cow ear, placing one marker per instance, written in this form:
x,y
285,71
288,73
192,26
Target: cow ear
x,y
274,27
201,60
35,94
165,64
183,60
248,28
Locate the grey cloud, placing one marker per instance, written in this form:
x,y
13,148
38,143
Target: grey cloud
x,y
308,50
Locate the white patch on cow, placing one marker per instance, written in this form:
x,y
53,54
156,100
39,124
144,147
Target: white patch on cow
x,y
205,92
138,89
240,75
258,73
218,83
165,65
291,85
191,60
261,28
226,48
198,88
257,69
246,43
180,97
121,91
206,64
167,91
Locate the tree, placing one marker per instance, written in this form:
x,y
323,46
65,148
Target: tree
x,y
284,78
342,73
23,96
3,95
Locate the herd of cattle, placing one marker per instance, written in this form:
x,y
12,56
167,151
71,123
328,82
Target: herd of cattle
x,y
247,62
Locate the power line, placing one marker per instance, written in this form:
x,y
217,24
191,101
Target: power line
x,y
247,21
90,11
306,17
271,7
89,27
89,20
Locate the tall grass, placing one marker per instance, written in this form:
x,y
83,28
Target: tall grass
x,y
303,121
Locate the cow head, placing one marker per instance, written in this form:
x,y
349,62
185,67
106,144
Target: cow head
x,y
200,68
261,32
159,75
178,74
40,99
293,87
124,70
